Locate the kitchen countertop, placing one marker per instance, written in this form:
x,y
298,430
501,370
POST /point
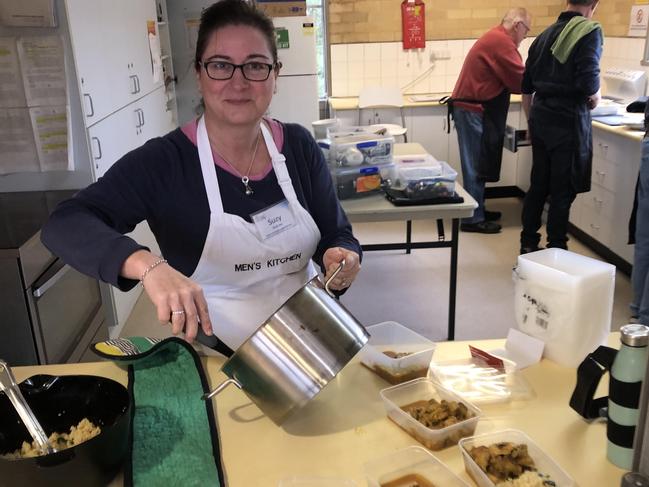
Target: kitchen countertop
x,y
351,102
346,425
620,130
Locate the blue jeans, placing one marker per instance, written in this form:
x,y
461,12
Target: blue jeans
x,y
640,275
469,136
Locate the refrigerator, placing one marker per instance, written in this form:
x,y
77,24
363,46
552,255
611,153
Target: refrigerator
x,y
296,99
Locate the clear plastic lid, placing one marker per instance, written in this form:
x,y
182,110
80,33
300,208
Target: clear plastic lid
x,y
474,380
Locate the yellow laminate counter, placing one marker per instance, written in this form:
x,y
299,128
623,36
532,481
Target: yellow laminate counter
x,y
423,100
346,425
620,130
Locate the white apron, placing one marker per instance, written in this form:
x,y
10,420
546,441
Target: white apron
x,y
246,278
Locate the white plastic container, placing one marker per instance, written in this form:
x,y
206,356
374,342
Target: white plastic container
x,y
320,127
396,397
544,464
391,336
425,181
480,383
409,465
566,300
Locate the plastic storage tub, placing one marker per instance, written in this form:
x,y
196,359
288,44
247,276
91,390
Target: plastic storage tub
x,y
360,148
424,181
544,464
396,339
396,397
566,300
410,466
354,182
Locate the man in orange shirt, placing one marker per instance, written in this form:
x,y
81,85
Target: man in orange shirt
x,y
492,70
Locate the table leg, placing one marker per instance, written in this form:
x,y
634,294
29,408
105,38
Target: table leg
x,y
455,234
408,235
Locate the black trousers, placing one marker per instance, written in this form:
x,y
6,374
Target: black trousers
x,y
553,150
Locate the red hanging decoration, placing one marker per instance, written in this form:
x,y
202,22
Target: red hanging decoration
x,y
413,24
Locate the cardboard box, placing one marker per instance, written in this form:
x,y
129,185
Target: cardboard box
x,y
282,8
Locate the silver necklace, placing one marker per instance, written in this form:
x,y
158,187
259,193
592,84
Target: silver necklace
x,y
245,178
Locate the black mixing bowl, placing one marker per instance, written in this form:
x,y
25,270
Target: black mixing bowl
x,y
58,403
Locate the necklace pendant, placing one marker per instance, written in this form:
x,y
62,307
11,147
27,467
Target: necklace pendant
x,y
245,180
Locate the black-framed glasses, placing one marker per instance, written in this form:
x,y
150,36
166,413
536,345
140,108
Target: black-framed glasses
x,y
527,27
223,70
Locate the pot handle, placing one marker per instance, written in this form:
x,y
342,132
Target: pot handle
x,y
333,276
219,388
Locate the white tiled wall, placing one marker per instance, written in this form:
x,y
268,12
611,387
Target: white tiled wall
x,y
417,71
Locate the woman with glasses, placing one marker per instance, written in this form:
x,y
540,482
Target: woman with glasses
x,y
241,205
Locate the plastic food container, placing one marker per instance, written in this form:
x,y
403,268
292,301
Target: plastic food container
x,y
396,397
425,181
316,482
408,466
384,352
566,300
544,464
480,383
360,148
354,182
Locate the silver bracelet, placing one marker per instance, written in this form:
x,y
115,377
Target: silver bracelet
x,y
150,268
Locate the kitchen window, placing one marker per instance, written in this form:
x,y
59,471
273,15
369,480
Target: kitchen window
x,y
316,9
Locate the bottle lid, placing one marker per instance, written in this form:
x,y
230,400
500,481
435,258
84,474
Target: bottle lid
x,y
635,335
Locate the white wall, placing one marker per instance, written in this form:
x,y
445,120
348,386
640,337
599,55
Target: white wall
x,y
356,65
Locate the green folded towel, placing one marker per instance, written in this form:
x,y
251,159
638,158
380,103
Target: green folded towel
x,y
174,435
576,28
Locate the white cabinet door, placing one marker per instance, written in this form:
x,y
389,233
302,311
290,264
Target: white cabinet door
x,y
112,55
91,47
427,125
111,138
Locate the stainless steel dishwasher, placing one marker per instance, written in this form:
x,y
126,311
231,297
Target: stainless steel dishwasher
x,y
50,312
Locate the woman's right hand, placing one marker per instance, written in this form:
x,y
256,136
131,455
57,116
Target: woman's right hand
x,y
177,298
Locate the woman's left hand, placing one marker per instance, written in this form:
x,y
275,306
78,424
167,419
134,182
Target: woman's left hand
x,y
332,259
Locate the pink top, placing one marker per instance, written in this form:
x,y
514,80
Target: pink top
x,y
190,129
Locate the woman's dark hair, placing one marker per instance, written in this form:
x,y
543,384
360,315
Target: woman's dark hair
x,y
233,12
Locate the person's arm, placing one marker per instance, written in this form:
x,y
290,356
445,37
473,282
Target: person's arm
x,y
587,55
337,241
507,65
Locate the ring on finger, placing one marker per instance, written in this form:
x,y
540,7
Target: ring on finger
x,y
178,312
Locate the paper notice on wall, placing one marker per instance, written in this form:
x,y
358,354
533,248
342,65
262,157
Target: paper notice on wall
x,y
12,93
27,13
42,63
52,137
638,21
154,51
17,148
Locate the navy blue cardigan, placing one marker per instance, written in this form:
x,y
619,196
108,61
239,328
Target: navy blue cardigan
x,y
161,182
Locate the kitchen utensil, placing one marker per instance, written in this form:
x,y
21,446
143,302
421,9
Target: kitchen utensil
x,y
296,351
10,388
60,402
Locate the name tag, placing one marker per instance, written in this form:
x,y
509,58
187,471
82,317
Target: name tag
x,y
274,220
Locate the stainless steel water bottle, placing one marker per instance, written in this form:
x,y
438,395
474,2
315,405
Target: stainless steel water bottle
x,y
627,374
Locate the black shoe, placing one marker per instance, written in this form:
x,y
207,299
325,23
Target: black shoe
x,y
492,216
527,250
481,227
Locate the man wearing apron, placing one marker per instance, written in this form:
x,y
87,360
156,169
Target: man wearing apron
x,y
492,70
560,87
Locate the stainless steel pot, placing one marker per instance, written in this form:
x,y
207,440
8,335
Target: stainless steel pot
x,y
295,352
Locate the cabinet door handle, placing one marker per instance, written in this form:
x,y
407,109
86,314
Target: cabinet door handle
x,y
134,79
92,107
600,173
597,200
137,83
98,148
594,227
142,117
